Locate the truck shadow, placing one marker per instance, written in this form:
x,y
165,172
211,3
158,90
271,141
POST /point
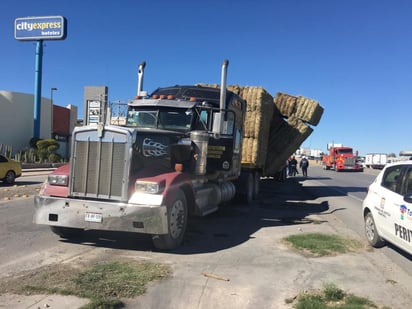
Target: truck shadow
x,y
232,227
279,204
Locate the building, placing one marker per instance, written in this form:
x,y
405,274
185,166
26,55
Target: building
x,y
17,121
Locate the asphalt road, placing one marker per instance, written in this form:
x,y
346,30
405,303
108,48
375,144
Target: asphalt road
x,y
243,244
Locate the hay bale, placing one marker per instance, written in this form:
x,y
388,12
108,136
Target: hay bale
x,y
259,111
308,110
285,103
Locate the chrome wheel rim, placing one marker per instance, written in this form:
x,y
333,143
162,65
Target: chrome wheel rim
x,y
370,228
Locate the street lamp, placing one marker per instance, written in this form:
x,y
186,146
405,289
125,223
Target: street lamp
x,y
51,110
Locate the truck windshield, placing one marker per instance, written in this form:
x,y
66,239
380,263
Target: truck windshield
x,y
164,118
345,151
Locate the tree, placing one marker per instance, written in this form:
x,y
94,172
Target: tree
x,y
46,150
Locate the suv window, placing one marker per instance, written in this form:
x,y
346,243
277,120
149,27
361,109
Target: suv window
x,y
407,186
391,178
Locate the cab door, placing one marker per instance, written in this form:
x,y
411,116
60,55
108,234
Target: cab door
x,y
3,166
387,200
398,229
401,213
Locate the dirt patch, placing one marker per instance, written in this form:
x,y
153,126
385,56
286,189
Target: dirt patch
x,y
16,191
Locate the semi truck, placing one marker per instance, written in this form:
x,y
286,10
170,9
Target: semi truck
x,y
376,160
183,151
341,158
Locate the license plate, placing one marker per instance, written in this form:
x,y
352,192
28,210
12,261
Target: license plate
x,y
93,217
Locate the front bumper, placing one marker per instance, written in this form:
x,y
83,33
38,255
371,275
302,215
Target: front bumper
x,y
112,216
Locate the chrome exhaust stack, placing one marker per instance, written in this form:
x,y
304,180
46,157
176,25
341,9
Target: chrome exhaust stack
x,y
223,85
140,78
219,118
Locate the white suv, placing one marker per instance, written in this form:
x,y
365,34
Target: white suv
x,y
387,208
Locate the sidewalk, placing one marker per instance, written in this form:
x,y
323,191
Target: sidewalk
x,y
36,171
39,169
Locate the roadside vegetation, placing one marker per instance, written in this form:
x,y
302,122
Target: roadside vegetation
x,y
318,244
105,284
38,151
331,297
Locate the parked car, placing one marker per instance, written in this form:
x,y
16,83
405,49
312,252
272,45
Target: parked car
x,y
9,170
387,208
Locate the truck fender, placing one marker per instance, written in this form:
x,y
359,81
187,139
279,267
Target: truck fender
x,y
174,181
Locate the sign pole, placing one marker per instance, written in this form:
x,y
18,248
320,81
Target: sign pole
x,y
37,88
39,29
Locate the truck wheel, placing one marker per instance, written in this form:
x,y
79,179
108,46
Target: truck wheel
x,y
256,185
372,233
177,223
249,188
66,232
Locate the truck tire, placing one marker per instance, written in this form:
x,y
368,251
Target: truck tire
x,y
249,188
67,232
177,216
256,185
372,233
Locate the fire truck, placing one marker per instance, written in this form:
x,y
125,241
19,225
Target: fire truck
x,y
341,158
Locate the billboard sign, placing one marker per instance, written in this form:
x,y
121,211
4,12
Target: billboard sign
x,y
40,28
94,111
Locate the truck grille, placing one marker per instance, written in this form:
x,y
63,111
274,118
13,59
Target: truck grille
x,y
99,166
349,162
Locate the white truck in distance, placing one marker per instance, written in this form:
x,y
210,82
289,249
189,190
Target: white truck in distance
x,y
376,160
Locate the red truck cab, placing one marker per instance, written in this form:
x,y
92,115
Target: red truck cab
x,y
340,159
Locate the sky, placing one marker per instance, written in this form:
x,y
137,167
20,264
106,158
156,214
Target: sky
x,y
352,56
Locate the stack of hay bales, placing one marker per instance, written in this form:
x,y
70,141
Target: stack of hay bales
x,y
290,128
275,127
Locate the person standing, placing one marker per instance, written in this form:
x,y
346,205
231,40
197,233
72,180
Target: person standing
x,y
293,166
304,164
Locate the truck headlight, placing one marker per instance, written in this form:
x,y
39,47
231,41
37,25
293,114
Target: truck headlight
x,y
151,187
58,180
